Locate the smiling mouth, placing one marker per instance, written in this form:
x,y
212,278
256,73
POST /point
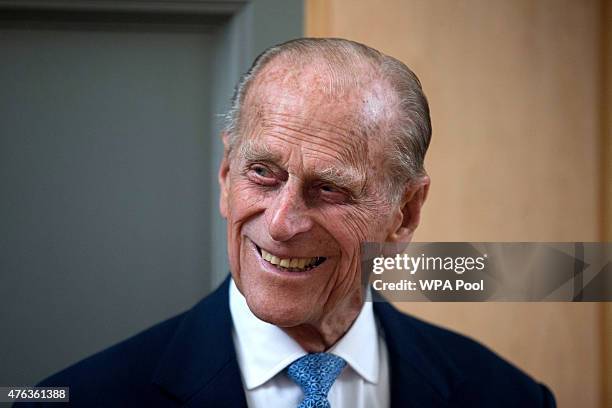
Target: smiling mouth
x,y
291,264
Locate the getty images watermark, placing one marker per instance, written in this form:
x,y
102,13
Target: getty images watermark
x,y
461,271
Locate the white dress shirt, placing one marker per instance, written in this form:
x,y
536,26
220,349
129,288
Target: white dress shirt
x,y
264,351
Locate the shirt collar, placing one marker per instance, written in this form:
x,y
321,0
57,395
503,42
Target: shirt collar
x,y
263,349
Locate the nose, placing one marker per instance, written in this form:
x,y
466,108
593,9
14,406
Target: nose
x,y
287,216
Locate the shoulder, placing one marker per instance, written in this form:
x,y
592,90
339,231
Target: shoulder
x,y
461,369
118,371
157,366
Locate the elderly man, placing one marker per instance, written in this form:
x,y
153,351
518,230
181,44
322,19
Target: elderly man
x,y
324,150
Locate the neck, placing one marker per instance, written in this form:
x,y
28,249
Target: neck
x,y
322,335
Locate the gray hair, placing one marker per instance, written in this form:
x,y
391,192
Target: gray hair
x,y
410,130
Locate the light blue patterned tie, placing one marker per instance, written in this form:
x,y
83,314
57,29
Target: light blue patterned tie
x,y
315,374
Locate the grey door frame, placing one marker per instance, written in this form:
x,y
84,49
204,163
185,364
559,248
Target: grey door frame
x,y
245,26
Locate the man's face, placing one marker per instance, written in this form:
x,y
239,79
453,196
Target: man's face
x,y
300,192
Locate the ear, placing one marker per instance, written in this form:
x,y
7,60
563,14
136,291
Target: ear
x,y
224,177
408,213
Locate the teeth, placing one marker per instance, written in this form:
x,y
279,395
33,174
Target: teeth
x,y
298,263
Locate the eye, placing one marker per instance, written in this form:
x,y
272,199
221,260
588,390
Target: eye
x,y
333,194
261,174
329,189
261,171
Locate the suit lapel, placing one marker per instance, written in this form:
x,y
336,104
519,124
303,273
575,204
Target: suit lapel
x,y
199,366
415,380
224,390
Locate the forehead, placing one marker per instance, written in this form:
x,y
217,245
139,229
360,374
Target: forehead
x,y
334,114
315,137
346,92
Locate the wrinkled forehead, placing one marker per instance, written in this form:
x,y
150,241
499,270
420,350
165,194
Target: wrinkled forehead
x,y
354,98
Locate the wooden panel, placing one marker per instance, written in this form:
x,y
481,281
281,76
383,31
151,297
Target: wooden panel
x,y
317,18
514,89
606,133
606,118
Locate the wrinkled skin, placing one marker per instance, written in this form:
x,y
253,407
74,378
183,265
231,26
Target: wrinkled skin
x,y
306,181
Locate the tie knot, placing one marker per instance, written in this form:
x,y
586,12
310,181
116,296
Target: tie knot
x,y
315,373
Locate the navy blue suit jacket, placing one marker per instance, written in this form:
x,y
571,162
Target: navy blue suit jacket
x,y
189,361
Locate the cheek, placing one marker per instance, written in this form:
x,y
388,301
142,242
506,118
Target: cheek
x,y
243,202
348,229
352,228
244,199
360,225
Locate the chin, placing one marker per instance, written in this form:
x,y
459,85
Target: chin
x,y
290,315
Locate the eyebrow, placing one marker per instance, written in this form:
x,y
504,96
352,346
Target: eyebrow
x,y
257,152
346,177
